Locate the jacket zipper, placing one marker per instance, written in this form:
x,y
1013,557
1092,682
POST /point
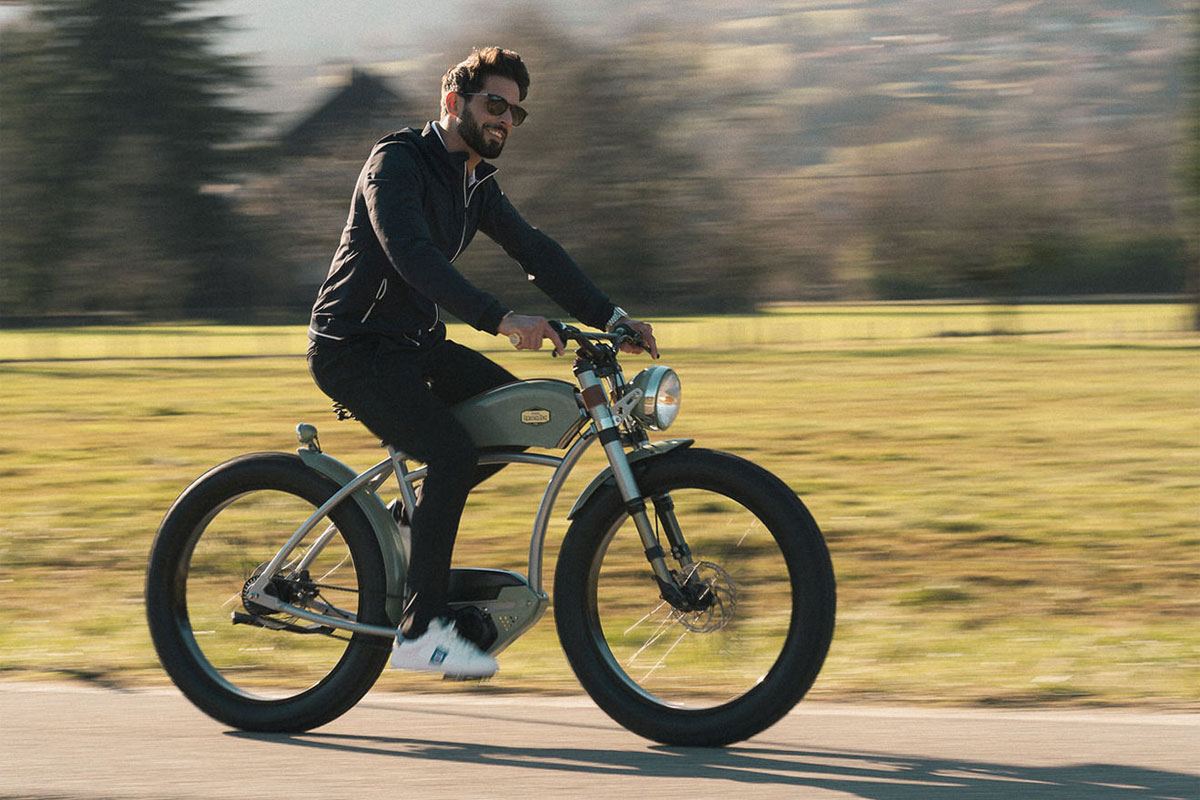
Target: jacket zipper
x,y
462,240
378,296
466,204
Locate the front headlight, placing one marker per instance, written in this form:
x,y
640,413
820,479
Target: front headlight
x,y
660,397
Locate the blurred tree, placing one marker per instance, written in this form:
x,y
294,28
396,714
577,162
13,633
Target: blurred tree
x,y
947,235
602,167
942,227
688,164
34,155
116,141
1191,176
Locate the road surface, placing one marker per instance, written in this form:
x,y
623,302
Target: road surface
x,y
67,741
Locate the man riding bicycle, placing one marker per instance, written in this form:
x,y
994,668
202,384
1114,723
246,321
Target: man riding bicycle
x,y
378,344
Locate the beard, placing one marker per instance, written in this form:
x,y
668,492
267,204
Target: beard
x,y
472,133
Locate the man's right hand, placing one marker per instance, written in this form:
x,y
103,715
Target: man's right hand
x,y
527,333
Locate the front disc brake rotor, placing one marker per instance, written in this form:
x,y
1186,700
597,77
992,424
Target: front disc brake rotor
x,y
713,599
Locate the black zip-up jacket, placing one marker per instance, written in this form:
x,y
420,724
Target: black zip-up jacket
x,y
413,212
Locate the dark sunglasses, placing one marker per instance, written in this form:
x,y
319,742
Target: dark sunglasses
x,y
497,105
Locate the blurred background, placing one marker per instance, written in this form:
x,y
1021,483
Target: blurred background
x,y
190,159
1008,478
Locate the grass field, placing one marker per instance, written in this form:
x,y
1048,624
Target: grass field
x,y
1011,498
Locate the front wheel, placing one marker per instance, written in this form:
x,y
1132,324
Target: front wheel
x,y
749,642
236,660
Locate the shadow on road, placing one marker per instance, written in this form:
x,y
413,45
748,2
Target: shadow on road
x,y
875,776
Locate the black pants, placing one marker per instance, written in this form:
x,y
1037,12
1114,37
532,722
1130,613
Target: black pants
x,y
403,394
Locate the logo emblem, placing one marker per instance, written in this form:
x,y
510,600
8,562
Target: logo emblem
x,y
535,416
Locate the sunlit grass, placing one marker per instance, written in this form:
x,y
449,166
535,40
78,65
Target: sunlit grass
x,y
1013,517
780,325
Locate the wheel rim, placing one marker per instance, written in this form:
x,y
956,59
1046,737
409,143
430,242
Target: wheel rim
x,y
694,660
226,551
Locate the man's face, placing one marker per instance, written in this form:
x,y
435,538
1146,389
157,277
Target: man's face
x,y
483,132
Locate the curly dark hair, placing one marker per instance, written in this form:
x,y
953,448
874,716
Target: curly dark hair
x,y
469,75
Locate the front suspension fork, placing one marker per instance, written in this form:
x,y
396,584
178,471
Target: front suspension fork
x,y
664,509
609,434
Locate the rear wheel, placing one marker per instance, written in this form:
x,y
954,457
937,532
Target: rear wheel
x,y
234,659
748,637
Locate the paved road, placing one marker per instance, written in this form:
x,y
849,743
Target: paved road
x,y
79,742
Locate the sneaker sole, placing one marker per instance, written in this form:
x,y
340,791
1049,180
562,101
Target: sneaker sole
x,y
435,671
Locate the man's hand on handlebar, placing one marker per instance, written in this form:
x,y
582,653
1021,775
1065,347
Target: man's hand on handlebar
x,y
527,332
644,331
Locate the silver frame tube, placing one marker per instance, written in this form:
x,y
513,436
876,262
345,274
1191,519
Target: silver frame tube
x,y
406,478
255,590
562,469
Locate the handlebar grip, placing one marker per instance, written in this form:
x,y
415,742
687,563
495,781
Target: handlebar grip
x,y
630,334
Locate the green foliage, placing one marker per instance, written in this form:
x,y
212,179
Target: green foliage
x,y
36,228
116,125
1054,263
1063,265
708,162
1191,175
604,170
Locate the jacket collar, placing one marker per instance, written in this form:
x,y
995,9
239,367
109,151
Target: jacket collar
x,y
432,138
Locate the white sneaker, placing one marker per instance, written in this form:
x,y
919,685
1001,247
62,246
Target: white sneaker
x,y
442,649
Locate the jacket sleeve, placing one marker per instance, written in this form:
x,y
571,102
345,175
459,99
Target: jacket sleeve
x,y
392,191
545,261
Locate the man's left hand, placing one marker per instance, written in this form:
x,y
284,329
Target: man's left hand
x,y
647,334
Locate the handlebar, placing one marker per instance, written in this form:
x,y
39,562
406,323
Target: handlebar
x,y
622,334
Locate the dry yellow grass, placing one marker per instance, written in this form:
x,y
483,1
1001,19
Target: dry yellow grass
x,y
1013,519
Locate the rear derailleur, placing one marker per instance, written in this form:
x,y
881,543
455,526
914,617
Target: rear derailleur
x,y
296,590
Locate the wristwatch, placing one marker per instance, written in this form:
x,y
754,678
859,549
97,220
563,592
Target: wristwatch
x,y
617,314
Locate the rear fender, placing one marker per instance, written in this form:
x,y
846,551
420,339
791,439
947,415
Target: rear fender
x,y
386,531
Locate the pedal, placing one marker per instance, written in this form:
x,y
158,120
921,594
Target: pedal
x,y
466,678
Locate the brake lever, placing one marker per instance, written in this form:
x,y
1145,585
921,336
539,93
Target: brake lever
x,y
561,329
635,337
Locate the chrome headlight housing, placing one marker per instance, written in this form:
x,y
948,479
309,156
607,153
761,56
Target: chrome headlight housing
x,y
661,392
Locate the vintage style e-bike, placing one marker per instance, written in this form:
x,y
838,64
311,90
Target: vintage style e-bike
x,y
693,594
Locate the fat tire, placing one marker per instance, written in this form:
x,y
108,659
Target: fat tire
x,y
166,607
813,602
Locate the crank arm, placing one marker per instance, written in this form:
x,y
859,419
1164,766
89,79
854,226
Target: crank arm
x,y
240,618
329,610
340,622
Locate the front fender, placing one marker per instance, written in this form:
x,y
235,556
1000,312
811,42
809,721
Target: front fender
x,y
605,476
384,525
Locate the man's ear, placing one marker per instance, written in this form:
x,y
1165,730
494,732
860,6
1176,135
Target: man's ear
x,y
453,103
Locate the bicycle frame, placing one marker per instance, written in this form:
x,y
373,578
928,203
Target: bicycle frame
x,y
662,637
407,480
601,424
